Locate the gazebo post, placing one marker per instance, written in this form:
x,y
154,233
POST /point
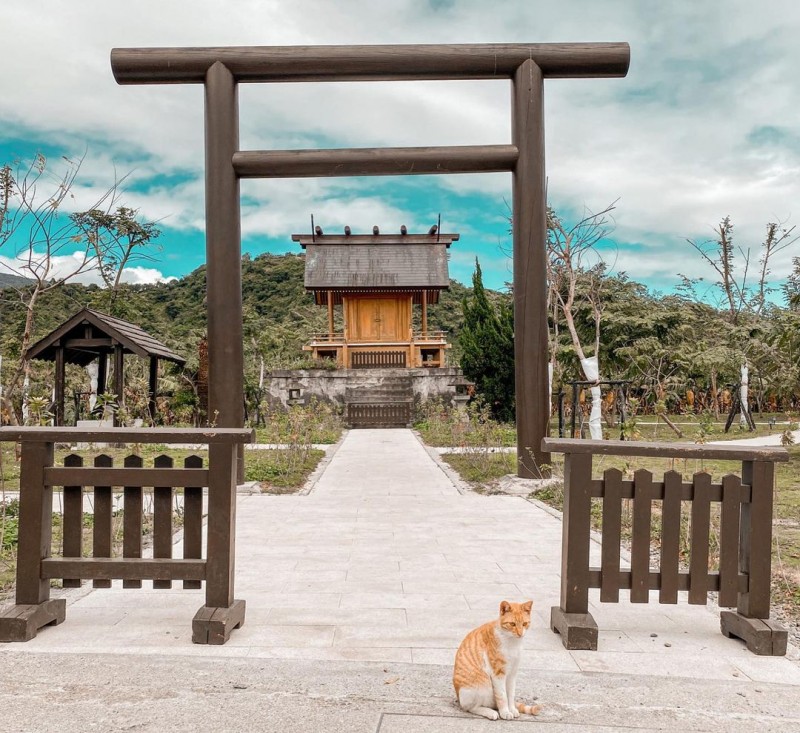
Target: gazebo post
x,y
102,372
59,385
153,388
119,382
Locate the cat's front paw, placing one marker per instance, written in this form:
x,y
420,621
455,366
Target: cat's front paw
x,y
514,711
507,714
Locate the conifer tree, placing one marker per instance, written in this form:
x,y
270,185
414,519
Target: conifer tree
x,y
487,349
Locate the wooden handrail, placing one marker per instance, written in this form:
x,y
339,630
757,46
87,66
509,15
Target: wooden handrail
x,y
126,435
666,450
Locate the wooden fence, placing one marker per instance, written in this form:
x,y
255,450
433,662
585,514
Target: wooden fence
x,y
742,578
378,415
34,608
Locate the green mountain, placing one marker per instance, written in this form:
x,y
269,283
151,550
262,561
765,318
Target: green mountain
x,y
12,281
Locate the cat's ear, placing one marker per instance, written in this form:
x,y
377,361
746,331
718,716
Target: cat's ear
x,y
505,607
527,606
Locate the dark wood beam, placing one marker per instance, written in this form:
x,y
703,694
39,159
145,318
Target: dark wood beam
x,y
203,436
123,568
374,161
368,63
673,450
88,343
94,476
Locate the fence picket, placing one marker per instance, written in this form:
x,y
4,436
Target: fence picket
x,y
162,519
192,520
640,543
102,527
729,541
72,545
670,537
132,520
698,558
612,531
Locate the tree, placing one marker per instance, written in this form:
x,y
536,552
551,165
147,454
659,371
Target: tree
x,y
39,242
791,289
487,348
117,239
743,299
572,257
739,294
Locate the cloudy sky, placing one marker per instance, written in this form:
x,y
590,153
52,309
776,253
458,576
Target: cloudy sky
x,y
705,125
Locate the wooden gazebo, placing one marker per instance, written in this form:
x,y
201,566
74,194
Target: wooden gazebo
x,y
377,280
90,335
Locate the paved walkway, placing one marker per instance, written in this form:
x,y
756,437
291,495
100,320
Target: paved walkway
x,y
358,595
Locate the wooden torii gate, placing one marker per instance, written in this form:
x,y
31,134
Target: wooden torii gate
x,y
220,70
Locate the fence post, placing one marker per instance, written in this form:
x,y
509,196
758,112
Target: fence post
x,y
572,618
214,622
34,608
750,622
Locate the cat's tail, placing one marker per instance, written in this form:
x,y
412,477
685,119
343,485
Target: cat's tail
x,y
528,709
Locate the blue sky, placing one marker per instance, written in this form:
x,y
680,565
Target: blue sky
x,y
705,124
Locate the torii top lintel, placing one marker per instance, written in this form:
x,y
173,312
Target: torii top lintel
x,y
368,63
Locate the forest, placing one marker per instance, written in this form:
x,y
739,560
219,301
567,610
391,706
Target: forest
x,y
677,352
667,345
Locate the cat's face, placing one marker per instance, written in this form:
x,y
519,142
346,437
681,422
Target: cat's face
x,y
515,618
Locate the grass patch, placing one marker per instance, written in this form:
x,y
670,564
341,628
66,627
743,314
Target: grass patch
x,y
281,471
480,467
315,423
469,426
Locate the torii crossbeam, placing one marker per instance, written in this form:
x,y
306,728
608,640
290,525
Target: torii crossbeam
x,y
220,70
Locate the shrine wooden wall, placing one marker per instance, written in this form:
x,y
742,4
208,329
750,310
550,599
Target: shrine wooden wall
x,y
372,319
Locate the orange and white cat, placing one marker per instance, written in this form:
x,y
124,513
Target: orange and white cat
x,y
487,662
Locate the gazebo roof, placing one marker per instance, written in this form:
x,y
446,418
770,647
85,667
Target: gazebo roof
x,y
388,262
89,333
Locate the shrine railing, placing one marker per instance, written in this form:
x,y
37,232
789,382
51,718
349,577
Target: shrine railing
x,y
36,567
743,574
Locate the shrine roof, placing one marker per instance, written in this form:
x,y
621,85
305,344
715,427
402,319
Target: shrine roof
x,y
390,261
80,349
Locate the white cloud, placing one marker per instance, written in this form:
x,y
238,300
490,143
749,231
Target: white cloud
x,y
677,140
73,267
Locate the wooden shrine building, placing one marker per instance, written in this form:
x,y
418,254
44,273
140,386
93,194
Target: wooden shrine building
x,y
90,335
377,280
